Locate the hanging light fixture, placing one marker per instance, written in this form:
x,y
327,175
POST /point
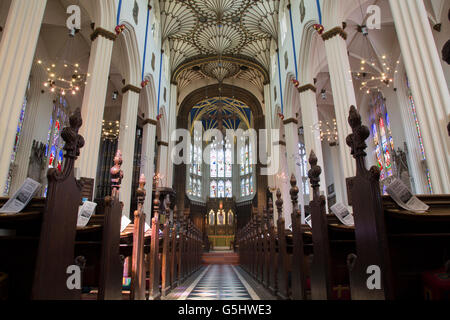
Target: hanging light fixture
x,y
64,74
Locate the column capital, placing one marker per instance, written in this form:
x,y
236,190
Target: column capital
x,y
104,33
334,32
130,87
307,87
149,121
290,120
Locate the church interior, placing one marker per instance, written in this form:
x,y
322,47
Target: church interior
x,y
225,150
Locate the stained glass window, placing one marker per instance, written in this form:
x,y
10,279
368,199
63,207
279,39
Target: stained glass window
x,y
419,134
228,189
213,187
303,164
221,189
213,163
246,157
382,136
195,181
228,161
220,164
16,146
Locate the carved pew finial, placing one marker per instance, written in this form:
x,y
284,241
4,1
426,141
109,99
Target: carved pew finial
x,y
279,204
73,141
116,172
294,193
357,139
140,192
270,211
314,173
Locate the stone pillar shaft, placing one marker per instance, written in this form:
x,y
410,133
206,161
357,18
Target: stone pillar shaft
x,y
428,85
147,165
17,50
93,105
26,136
310,117
127,142
344,97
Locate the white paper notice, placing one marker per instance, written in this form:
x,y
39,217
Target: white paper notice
x,y
85,213
124,223
308,220
342,213
404,198
21,198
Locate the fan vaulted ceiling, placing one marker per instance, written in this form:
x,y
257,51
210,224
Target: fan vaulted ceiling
x,y
219,28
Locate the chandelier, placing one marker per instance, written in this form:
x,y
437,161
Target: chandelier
x,y
328,132
110,130
375,70
64,75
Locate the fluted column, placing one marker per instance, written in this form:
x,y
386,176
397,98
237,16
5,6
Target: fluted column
x,y
311,130
343,96
161,164
26,136
93,105
282,183
172,127
127,141
415,158
291,132
428,85
147,162
17,50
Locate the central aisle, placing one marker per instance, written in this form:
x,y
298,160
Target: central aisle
x,y
221,282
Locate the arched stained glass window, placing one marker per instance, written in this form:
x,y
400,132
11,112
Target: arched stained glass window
x,y
213,187
228,189
246,156
221,189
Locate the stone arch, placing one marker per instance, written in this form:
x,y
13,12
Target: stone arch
x,y
147,100
129,63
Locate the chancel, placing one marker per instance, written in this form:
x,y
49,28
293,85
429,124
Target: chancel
x,y
224,150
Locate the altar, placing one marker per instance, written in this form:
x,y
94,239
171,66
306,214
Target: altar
x,y
220,221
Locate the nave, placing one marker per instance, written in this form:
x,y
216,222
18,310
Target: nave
x,y
270,149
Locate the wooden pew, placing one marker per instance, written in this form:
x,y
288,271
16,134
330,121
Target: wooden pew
x,y
138,272
405,245
18,248
332,244
43,237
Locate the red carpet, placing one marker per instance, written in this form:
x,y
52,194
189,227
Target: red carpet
x,y
227,258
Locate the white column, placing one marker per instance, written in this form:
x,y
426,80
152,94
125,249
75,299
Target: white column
x,y
147,163
127,141
172,127
162,163
343,96
283,183
415,164
17,49
311,130
271,179
93,104
26,136
337,176
428,85
291,131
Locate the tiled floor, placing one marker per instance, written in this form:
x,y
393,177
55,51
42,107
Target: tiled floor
x,y
220,282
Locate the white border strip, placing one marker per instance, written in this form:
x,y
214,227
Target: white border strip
x,y
251,292
188,291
